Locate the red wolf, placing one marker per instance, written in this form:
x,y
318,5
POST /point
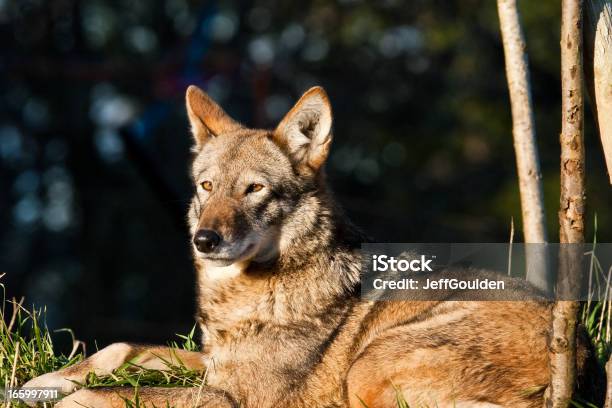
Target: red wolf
x,y
278,291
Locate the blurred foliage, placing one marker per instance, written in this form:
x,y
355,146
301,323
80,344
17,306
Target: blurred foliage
x,y
94,146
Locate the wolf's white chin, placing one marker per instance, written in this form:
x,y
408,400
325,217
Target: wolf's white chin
x,y
214,271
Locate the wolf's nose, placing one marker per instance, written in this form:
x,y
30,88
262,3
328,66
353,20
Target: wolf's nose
x,y
206,240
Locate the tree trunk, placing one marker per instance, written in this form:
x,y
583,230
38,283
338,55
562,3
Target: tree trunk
x,y
572,200
523,131
562,352
598,69
608,402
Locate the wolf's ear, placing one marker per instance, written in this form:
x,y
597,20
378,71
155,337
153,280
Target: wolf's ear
x,y
207,119
305,132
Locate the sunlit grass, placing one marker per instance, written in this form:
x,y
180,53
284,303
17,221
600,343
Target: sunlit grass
x,y
27,351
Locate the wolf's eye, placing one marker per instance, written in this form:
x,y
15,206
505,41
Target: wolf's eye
x,y
253,188
206,185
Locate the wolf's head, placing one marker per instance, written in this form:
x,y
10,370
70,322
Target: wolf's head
x,y
249,181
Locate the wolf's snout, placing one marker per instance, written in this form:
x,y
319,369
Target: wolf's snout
x,y
206,240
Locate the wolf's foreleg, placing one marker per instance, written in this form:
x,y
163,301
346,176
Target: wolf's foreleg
x,y
114,356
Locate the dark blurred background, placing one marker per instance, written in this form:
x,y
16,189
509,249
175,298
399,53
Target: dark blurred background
x,y
94,142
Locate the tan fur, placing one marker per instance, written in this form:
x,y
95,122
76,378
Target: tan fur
x,y
279,306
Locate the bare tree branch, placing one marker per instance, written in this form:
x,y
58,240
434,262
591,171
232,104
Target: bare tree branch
x,y
572,200
562,353
598,69
523,130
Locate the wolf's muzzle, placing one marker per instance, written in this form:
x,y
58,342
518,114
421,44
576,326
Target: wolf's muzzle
x,y
206,240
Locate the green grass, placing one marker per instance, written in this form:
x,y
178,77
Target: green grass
x,y
596,316
27,351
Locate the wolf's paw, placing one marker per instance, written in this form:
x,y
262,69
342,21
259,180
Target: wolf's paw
x,y
55,380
